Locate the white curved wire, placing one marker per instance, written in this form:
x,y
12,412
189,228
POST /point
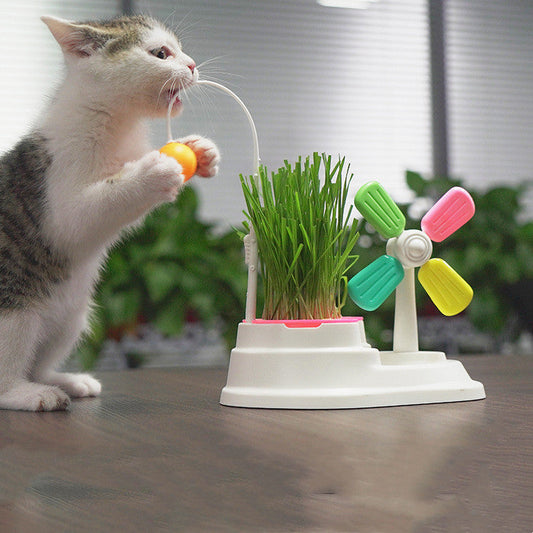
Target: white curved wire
x,y
229,92
250,241
169,117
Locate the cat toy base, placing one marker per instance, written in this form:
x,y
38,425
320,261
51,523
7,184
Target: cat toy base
x,y
329,365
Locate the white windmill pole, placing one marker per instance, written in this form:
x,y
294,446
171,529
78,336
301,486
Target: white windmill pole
x,y
412,248
405,336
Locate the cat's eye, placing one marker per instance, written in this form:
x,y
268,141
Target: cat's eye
x,y
161,53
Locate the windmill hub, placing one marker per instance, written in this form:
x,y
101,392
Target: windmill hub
x,y
412,248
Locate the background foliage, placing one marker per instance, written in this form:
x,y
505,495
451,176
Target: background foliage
x,y
173,269
177,268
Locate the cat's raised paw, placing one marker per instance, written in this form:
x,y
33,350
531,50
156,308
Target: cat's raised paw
x,y
207,154
160,176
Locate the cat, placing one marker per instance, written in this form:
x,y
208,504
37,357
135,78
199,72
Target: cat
x,y
70,188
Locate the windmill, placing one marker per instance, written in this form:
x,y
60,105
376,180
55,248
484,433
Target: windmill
x,y
407,250
327,364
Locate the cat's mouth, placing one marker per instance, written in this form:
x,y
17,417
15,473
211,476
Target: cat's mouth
x,y
173,95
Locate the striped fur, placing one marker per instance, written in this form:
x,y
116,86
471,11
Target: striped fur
x,y
116,35
29,265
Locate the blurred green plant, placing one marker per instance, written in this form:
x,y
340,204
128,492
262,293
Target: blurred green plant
x,y
493,253
177,268
173,269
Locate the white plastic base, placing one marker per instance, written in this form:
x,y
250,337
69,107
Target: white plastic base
x,y
332,367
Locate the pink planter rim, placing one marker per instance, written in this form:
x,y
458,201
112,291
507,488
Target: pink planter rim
x,y
310,323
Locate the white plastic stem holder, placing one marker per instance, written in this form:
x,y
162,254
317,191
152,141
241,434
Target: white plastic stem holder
x,y
331,366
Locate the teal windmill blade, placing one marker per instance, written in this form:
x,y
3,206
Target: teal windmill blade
x,y
370,287
379,210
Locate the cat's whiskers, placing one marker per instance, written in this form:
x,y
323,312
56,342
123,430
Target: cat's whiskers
x,y
162,89
185,95
177,85
185,27
210,60
170,90
206,97
219,75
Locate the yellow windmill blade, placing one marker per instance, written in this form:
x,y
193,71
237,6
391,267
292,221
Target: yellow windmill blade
x,y
447,289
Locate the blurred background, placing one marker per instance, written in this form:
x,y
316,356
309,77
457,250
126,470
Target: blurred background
x,y
419,94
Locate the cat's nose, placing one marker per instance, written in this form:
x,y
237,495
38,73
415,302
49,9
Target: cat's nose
x,y
192,66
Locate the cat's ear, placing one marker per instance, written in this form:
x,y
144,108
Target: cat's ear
x,y
75,39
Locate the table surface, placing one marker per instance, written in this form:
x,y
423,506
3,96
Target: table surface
x,y
156,452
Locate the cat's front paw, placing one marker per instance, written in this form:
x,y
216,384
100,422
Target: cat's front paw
x,y
207,155
160,176
27,396
75,385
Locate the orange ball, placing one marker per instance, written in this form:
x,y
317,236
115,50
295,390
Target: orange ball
x,y
183,155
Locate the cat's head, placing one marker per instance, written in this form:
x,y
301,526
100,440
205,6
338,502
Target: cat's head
x,y
134,63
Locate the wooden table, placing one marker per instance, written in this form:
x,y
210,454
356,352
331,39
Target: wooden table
x,y
158,453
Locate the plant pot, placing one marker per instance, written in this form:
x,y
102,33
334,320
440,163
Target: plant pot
x,y
327,364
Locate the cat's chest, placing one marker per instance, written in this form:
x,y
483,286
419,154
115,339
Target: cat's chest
x,y
129,144
86,150
112,163
85,164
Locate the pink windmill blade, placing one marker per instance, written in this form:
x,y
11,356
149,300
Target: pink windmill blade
x,y
451,212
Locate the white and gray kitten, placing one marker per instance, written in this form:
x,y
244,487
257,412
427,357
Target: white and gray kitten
x,y
67,189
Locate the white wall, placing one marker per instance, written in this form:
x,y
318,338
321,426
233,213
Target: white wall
x,y
349,82
30,60
341,81
490,86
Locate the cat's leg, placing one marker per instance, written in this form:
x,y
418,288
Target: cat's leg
x,y
63,325
207,154
95,214
76,385
19,335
